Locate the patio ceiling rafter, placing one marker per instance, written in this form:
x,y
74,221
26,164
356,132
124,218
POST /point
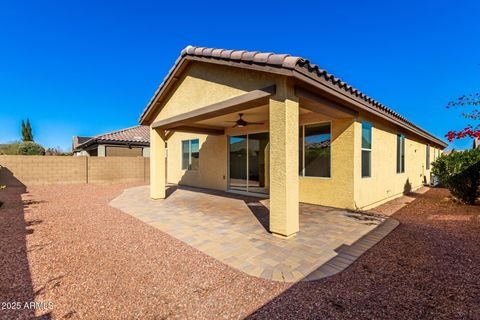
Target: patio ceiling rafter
x,y
244,101
195,129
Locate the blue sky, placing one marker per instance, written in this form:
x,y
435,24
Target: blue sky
x,y
89,67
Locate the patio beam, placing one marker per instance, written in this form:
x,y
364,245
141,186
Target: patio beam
x,y
319,104
245,101
192,129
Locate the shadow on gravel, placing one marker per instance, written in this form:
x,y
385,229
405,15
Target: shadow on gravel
x,y
16,286
423,269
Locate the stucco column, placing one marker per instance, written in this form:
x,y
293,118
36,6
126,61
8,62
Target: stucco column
x,y
157,164
101,151
284,189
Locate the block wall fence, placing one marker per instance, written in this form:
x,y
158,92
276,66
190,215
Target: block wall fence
x,y
44,170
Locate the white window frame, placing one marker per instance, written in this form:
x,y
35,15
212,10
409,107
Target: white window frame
x,y
397,155
189,166
302,174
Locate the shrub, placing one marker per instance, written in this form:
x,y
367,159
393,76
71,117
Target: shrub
x,y
460,173
9,148
30,148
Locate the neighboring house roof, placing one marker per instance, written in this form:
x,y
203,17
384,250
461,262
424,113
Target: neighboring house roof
x,y
448,152
282,64
77,140
138,135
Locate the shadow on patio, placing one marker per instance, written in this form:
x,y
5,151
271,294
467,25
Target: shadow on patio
x,y
254,204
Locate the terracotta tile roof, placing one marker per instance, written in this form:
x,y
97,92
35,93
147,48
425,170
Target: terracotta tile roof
x,y
135,135
264,58
273,62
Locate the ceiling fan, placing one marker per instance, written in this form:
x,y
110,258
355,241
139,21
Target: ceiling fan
x,y
242,123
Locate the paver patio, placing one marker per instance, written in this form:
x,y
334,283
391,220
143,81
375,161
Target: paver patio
x,y
234,229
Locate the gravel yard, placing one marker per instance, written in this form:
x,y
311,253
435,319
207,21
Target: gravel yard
x,y
66,245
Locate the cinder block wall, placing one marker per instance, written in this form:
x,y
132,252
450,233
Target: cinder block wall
x,y
146,169
118,169
44,170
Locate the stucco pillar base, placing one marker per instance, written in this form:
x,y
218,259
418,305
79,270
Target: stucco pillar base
x,y
282,236
284,184
157,165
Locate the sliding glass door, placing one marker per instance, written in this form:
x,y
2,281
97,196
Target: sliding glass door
x,y
249,163
238,163
258,159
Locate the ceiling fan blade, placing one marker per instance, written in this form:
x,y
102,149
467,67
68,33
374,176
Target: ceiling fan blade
x,y
256,122
236,125
229,121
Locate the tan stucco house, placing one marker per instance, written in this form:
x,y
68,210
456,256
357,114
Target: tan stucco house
x,y
128,142
278,126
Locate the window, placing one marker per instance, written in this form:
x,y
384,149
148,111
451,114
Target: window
x,y
428,157
190,154
366,149
400,153
315,150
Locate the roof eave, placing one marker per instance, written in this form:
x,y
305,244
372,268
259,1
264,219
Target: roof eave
x,y
114,142
167,82
300,75
295,67
185,58
130,143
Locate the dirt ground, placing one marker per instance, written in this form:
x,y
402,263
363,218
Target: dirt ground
x,y
67,249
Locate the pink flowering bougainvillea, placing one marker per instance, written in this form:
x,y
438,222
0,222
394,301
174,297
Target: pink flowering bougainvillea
x,y
470,131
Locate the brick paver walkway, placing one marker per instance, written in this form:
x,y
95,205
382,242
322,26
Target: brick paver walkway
x,y
234,229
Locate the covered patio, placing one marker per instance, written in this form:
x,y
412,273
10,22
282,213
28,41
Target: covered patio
x,y
234,229
271,116
310,135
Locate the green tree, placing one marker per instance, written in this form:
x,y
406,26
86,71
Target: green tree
x,y
27,134
24,131
30,148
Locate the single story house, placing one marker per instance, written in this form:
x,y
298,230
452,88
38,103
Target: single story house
x,y
277,125
129,142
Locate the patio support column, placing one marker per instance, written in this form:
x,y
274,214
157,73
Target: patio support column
x,y
157,164
284,189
